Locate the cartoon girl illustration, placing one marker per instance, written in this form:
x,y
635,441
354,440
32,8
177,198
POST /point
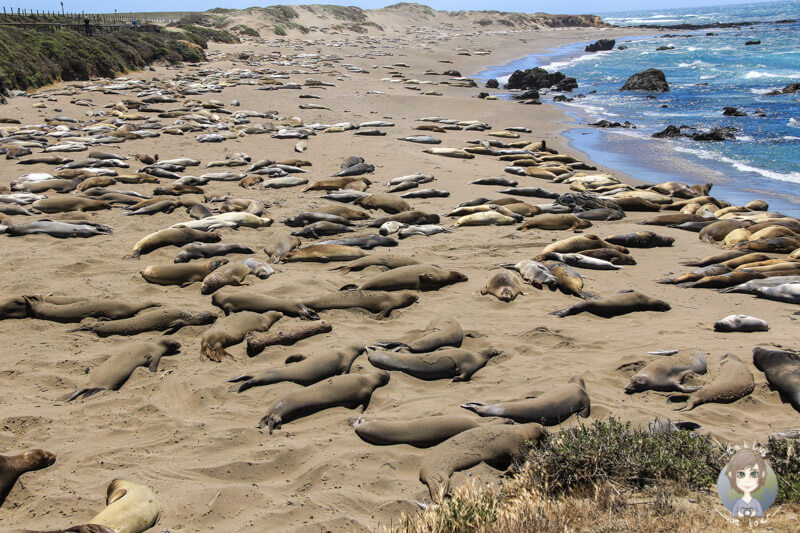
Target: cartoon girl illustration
x,y
747,472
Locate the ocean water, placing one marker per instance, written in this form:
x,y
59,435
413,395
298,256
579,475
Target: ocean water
x,y
706,70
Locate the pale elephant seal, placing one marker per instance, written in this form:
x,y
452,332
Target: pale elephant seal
x,y
786,292
552,407
413,277
171,237
453,363
381,302
182,274
235,274
741,323
167,320
440,332
45,308
349,390
504,285
667,374
207,250
494,444
233,302
59,230
13,466
618,304
304,370
232,330
388,262
130,508
578,244
112,373
535,273
734,381
583,261
419,432
782,370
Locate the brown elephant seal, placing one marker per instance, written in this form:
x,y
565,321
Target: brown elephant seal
x,y
233,302
304,370
130,508
734,381
381,302
640,239
778,245
671,219
578,244
609,254
232,330
13,466
349,390
85,528
344,211
552,407
324,253
565,221
234,274
207,250
667,374
182,274
387,203
697,275
14,307
388,262
716,258
171,237
619,304
406,217
504,285
782,370
741,323
44,308
167,320
419,432
633,203
494,444
112,373
63,204
453,363
717,231
440,332
411,277
569,281
279,244
721,281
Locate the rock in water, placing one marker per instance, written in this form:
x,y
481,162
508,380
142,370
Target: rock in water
x,y
651,79
600,46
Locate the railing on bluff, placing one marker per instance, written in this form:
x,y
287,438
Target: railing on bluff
x,y
50,21
90,29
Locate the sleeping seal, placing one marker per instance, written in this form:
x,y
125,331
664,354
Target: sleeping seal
x,y
734,381
618,304
782,370
453,363
13,466
419,432
440,332
667,374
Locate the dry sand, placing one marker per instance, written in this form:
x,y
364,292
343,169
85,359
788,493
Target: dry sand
x,y
184,432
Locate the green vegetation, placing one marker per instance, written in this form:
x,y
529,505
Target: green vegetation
x,y
246,30
201,35
350,13
357,28
783,454
280,13
279,30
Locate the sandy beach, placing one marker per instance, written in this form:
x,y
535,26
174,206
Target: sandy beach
x,y
186,432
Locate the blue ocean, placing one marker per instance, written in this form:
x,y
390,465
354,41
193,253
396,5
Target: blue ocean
x,y
707,70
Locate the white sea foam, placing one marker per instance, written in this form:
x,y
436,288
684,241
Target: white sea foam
x,y
758,74
792,177
764,91
696,63
793,122
558,65
791,138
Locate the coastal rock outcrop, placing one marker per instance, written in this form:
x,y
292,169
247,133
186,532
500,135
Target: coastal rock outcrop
x,y
539,78
492,84
716,134
651,79
601,45
608,124
789,89
733,112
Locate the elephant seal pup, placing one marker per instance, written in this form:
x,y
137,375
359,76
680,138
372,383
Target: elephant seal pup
x,y
388,262
279,244
170,237
381,302
578,244
782,370
734,381
207,250
612,256
453,363
232,330
413,277
440,332
551,408
233,302
112,373
183,274
45,309
13,466
504,285
741,323
419,432
349,390
167,320
619,304
786,292
304,370
534,273
569,281
324,253
234,274
667,374
640,239
583,261
130,508
494,444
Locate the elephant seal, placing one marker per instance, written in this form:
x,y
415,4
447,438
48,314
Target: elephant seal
x,y
84,528
365,242
183,274
14,307
304,370
716,232
782,370
63,204
618,304
388,262
578,244
381,302
413,277
583,261
440,332
233,302
234,274
406,217
453,363
418,432
387,203
324,253
46,309
349,390
130,508
343,211
671,219
697,275
612,256
569,281
786,292
171,237
232,330
640,239
504,285
57,229
112,373
716,258
279,244
494,444
551,408
741,323
322,229
778,245
13,466
667,374
312,217
167,320
534,273
207,250
734,381
721,281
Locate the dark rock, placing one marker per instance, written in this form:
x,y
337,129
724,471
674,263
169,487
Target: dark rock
x,y
622,47
566,85
791,88
534,78
733,112
662,48
492,84
651,79
600,46
760,113
561,98
531,94
609,124
530,102
748,43
716,135
454,73
483,95
669,132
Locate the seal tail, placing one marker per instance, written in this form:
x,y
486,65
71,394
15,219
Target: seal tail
x,y
237,379
84,392
586,295
215,352
133,255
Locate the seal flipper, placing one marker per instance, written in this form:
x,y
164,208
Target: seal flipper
x,y
349,287
237,379
688,390
307,313
296,358
393,346
85,393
